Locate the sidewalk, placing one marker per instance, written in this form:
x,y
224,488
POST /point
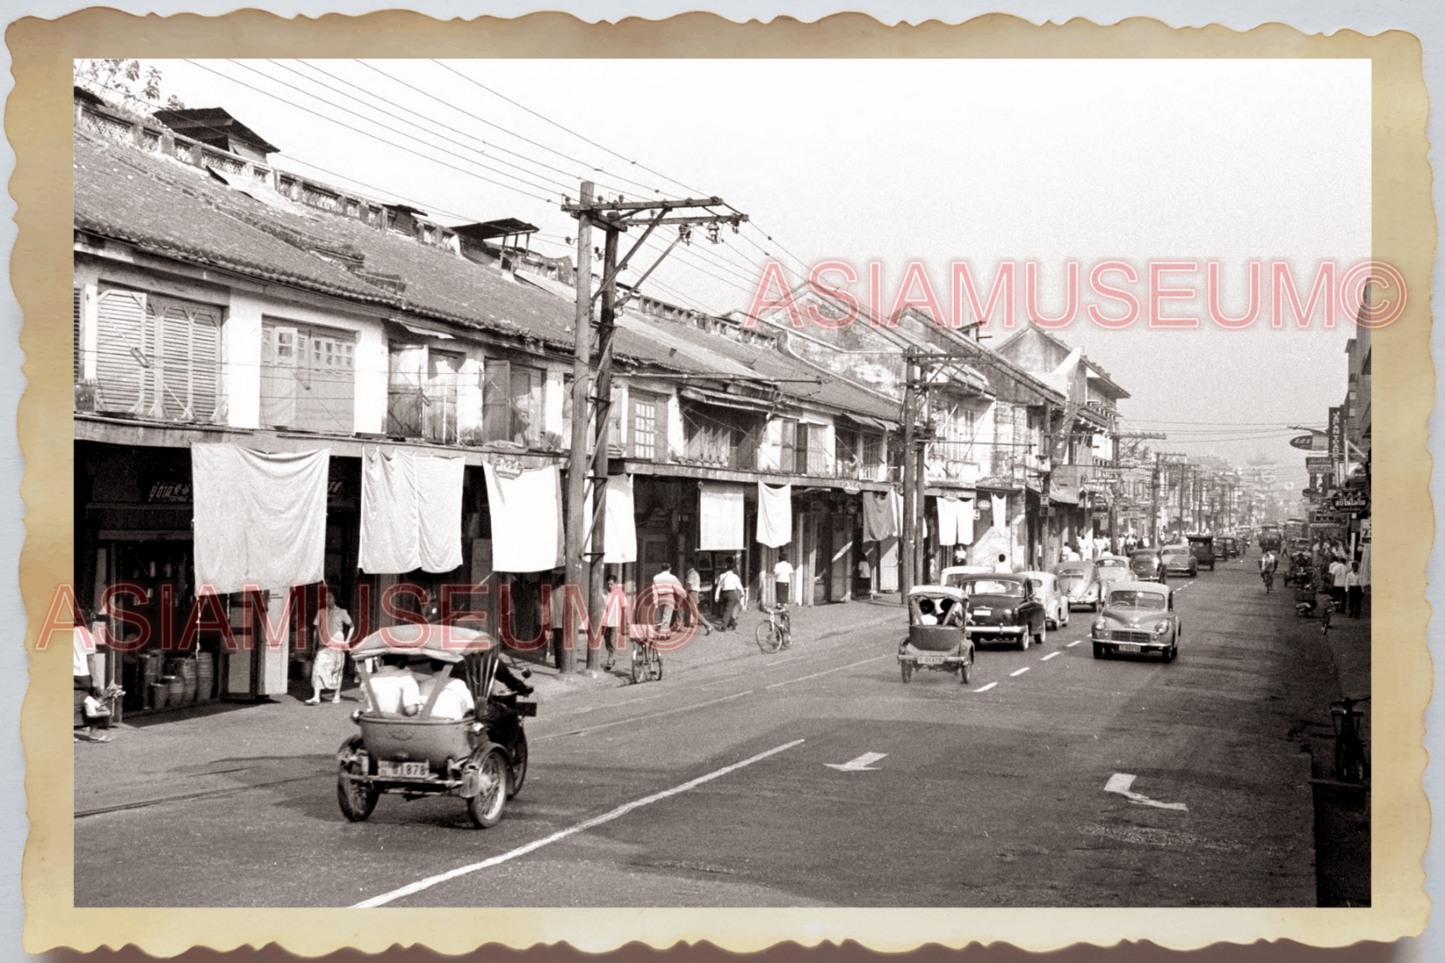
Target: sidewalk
x,y
223,747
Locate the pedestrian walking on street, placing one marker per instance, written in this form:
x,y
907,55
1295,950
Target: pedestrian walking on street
x,y
782,580
693,582
1338,571
614,616
666,595
729,593
333,630
1354,592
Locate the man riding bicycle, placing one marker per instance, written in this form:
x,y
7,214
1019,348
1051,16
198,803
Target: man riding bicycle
x,y
1268,562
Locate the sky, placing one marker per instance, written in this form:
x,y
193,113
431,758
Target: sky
x,y
894,161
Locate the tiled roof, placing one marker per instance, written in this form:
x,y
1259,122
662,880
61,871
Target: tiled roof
x,y
177,211
129,196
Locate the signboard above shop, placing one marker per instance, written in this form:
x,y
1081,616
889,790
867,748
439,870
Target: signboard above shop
x,y
1319,463
1314,441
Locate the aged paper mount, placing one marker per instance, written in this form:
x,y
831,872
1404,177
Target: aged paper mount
x,y
39,123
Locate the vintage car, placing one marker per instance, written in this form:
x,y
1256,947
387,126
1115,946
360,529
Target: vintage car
x,y
1002,607
937,638
1226,547
1138,618
1179,560
1202,548
1046,590
1147,565
954,573
1079,583
1112,561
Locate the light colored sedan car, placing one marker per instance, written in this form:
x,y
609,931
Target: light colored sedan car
x,y
1079,583
1046,590
1138,618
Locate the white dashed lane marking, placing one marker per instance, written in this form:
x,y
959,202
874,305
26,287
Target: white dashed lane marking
x,y
1050,656
1018,671
617,813
1073,643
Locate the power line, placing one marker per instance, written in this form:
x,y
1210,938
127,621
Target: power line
x,y
483,120
691,190
413,123
276,80
363,133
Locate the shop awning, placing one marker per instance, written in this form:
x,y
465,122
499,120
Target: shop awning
x,y
864,421
725,400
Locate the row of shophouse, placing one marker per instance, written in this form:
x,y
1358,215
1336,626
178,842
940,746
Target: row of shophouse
x,y
220,301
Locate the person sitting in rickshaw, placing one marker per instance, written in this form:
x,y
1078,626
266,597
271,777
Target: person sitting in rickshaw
x,y
454,701
952,612
395,688
926,613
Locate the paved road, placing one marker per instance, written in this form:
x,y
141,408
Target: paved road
x,y
720,786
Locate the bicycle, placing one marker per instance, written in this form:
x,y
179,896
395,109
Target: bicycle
x,y
1350,763
1327,608
646,661
1268,576
777,632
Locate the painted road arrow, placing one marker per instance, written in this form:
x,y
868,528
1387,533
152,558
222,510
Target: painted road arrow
x,y
1120,782
858,765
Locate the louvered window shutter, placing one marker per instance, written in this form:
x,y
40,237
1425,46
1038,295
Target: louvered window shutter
x,y
121,358
79,365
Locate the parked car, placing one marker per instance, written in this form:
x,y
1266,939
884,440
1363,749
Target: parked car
x,y
1079,584
1138,618
1147,565
1180,559
1110,574
1112,561
1046,590
1202,548
1002,607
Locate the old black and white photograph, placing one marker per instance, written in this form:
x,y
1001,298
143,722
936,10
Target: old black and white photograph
x,y
776,483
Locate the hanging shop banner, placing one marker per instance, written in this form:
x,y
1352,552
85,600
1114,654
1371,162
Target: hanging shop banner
x,y
411,511
955,521
619,536
526,513
720,508
775,515
1337,432
878,516
260,519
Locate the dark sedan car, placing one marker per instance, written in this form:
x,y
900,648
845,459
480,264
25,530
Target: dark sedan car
x,y
1147,565
1002,607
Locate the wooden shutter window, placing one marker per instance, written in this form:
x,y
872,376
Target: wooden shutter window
x,y
121,358
497,401
79,357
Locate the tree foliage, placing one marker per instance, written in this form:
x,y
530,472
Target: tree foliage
x,y
136,86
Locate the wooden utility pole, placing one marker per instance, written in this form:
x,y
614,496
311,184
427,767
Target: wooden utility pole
x,y
910,468
586,538
579,568
1154,502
